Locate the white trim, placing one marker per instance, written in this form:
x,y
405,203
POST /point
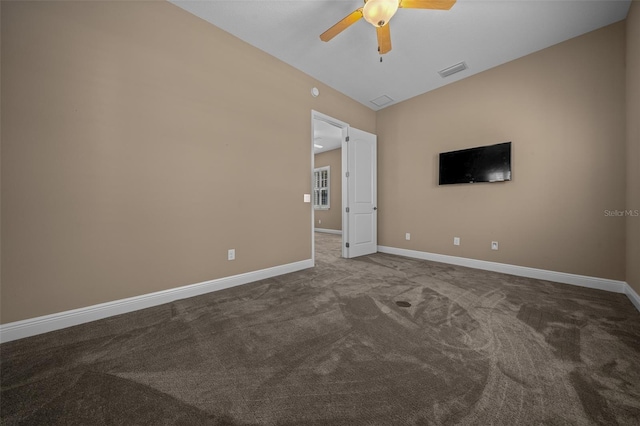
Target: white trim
x,y
31,327
522,271
329,231
344,182
632,295
328,119
313,166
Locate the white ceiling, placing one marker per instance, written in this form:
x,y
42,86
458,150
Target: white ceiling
x,y
326,137
481,33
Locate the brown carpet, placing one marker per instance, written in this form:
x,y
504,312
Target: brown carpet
x,y
330,346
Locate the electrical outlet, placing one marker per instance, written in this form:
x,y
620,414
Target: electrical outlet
x,y
407,236
494,245
319,221
456,241
231,254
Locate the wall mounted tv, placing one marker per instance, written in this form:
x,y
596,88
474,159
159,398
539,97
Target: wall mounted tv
x,y
482,164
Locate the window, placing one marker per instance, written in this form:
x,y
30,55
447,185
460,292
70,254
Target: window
x,y
321,187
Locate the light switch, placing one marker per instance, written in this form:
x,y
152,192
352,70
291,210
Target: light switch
x,y
307,198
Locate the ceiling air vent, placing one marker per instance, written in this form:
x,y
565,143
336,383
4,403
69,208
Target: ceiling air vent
x,y
381,101
452,69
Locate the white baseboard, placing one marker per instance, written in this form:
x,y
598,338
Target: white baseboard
x,y
633,296
31,327
328,231
522,271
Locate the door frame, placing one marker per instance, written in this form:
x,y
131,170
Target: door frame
x,y
316,115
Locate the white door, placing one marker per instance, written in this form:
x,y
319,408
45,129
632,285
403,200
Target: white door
x,y
362,194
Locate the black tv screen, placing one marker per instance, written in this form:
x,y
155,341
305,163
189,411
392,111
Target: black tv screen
x,y
482,164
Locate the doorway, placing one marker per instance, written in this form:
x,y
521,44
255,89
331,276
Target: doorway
x,y
358,184
327,164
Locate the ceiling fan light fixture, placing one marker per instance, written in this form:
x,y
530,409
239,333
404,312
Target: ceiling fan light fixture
x,y
379,12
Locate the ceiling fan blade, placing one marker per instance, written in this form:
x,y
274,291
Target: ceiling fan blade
x,y
350,19
384,39
427,4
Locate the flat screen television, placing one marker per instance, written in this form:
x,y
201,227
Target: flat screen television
x,y
482,164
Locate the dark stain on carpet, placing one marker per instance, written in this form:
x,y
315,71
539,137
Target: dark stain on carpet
x,y
560,331
593,403
98,398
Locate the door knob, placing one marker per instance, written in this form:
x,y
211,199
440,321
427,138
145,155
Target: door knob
x,y
375,208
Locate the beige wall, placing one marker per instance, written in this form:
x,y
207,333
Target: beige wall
x,y
136,139
564,110
332,218
133,135
633,145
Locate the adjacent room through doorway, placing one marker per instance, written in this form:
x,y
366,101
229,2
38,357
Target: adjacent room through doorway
x,y
344,184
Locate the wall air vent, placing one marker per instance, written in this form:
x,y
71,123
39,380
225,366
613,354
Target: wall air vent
x,y
452,69
381,101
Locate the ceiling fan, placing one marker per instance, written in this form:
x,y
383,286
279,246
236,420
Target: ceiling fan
x,y
378,13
